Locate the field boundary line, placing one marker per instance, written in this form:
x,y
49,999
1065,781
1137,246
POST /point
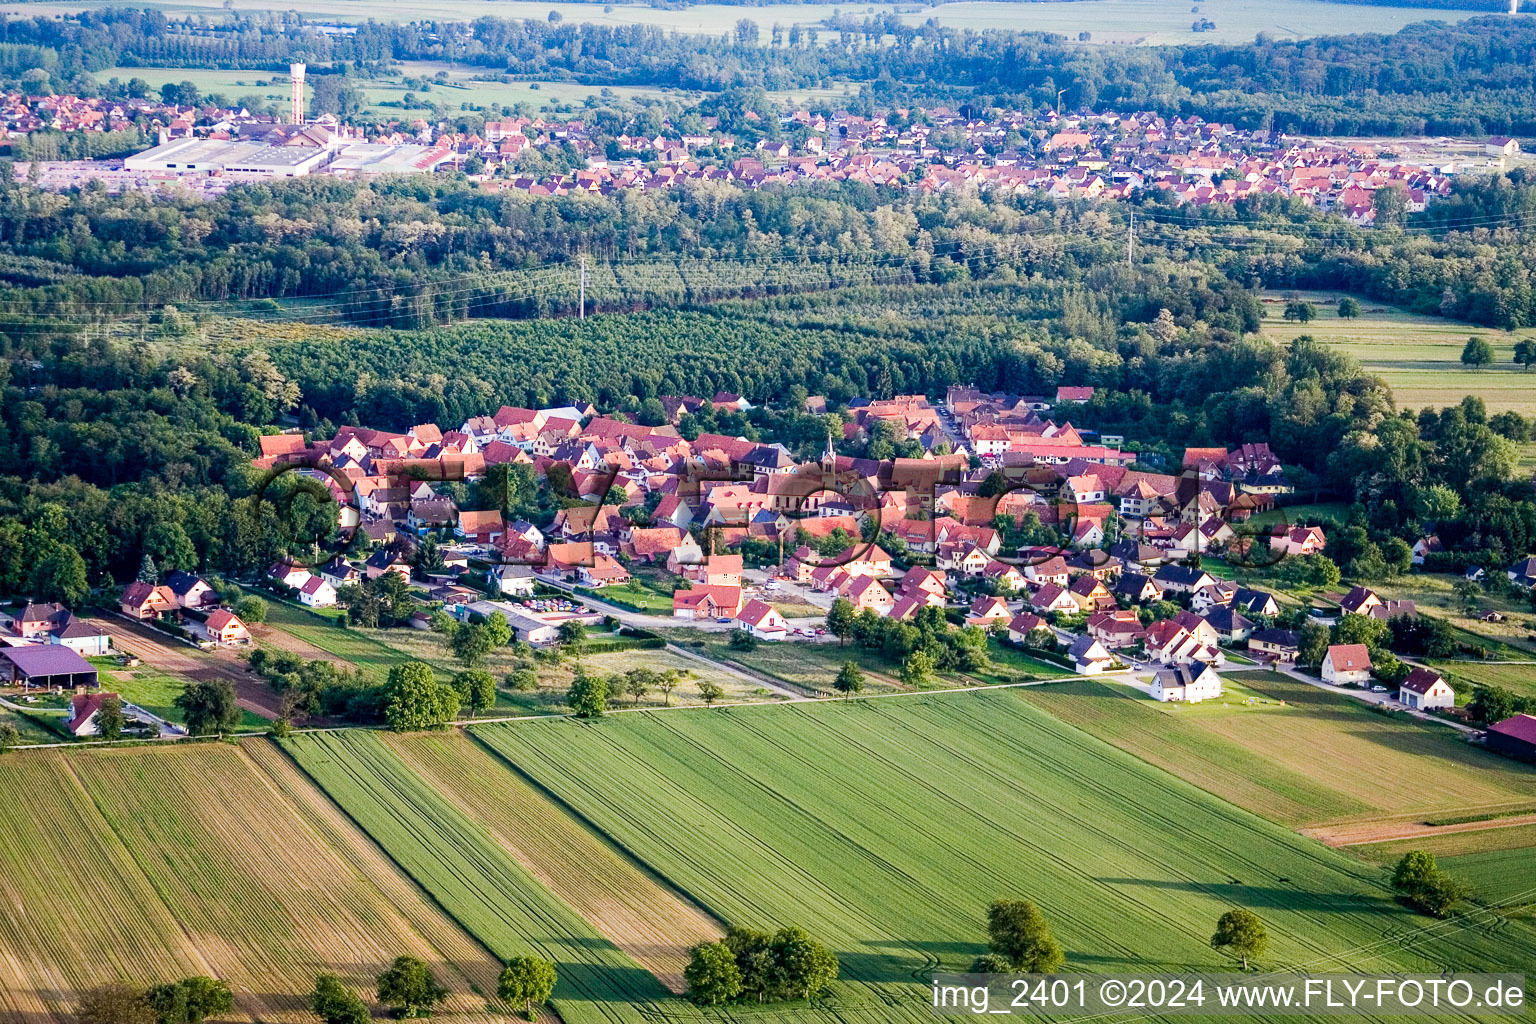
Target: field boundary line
x,y
602,834
426,894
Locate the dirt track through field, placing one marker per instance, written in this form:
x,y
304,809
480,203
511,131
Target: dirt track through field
x,y
1361,833
170,655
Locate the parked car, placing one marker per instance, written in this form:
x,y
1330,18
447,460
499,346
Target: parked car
x,y
724,618
1378,689
771,585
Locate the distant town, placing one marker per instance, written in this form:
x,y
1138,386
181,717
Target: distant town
x,y
207,149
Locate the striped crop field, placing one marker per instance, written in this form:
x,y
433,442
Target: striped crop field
x,y
885,826
148,864
461,863
644,918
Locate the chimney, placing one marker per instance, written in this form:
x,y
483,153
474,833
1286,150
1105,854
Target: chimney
x,y
297,73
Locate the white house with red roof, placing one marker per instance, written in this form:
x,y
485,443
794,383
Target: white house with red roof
x,y
317,592
1423,689
761,620
1347,665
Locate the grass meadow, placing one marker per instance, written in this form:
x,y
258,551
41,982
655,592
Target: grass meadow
x,y
1318,759
1418,356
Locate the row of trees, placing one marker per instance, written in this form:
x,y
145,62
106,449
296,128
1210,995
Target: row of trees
x,y
407,986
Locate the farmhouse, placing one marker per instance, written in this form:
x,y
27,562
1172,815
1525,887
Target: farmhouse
x,y
1192,683
1423,689
144,601
1298,541
49,667
1347,665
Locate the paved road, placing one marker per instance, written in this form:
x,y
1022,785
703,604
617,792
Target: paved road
x,y
645,620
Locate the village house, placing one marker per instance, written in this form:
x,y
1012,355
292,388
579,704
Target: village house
x,y
987,612
1191,683
1022,625
1298,541
1116,629
1423,689
1090,594
222,627
1347,665
705,601
1281,645
84,714
761,620
317,592
1089,657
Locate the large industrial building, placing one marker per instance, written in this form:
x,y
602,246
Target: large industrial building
x,y
285,158
211,156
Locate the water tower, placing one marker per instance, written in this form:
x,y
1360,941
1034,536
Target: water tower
x,y
297,73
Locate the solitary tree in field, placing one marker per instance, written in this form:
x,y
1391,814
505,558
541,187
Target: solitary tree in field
x,y
409,987
477,689
417,700
1349,307
334,1003
710,692
1018,932
527,980
1419,878
849,679
1300,311
638,683
1243,933
1478,353
1525,352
